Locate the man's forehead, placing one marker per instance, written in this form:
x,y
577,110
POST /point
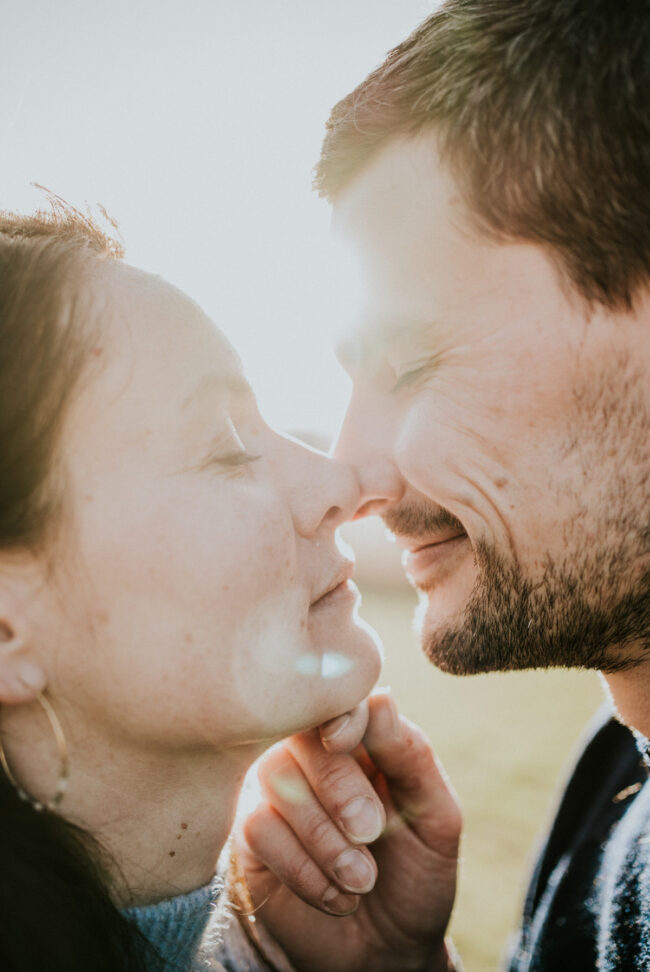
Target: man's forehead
x,y
407,168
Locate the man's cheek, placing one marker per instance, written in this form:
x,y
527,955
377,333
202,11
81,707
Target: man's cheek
x,y
428,456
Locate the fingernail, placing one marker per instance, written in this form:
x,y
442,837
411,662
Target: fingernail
x,y
362,820
337,903
354,870
332,728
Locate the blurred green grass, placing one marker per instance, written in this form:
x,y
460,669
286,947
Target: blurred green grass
x,y
505,741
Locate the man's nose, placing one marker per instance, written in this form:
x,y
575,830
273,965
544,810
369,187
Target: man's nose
x,y
366,443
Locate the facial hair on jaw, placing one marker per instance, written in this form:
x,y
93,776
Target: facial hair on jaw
x,y
511,623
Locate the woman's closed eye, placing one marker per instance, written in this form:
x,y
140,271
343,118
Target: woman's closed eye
x,y
231,460
229,452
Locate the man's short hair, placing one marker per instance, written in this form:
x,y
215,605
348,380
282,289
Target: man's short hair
x,y
541,111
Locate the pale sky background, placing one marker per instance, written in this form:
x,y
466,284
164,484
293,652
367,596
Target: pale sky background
x,y
197,124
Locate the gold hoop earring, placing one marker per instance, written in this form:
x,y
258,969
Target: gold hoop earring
x,y
62,780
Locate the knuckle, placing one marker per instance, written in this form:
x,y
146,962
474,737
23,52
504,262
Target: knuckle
x,y
336,777
256,827
454,823
303,877
416,737
288,791
419,753
319,831
305,745
277,760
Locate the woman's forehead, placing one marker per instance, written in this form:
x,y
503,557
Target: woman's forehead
x,y
156,313
156,349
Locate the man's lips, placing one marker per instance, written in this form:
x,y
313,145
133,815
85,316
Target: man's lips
x,y
413,545
426,562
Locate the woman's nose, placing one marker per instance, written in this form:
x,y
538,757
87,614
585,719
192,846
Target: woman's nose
x,y
324,492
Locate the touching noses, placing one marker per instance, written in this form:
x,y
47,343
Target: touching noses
x,y
365,443
324,493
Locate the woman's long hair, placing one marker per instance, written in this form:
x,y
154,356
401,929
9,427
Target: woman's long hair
x,y
56,912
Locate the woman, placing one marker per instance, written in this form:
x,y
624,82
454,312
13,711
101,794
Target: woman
x,y
172,601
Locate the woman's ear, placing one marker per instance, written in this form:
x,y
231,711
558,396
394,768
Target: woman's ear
x,y
22,677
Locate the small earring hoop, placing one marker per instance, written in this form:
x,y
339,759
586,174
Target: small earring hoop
x,y
64,763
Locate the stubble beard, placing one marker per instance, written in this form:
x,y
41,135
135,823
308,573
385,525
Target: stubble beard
x,y
578,615
589,609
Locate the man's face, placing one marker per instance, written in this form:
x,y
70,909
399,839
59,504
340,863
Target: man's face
x,y
499,429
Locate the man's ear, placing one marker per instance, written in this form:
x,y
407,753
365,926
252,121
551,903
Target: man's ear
x,y
22,676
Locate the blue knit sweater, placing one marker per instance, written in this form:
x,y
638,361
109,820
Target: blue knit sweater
x,y
195,932
176,926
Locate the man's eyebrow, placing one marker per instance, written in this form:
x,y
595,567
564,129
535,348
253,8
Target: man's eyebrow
x,y
230,381
368,343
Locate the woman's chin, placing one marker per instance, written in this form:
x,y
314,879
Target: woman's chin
x,y
349,670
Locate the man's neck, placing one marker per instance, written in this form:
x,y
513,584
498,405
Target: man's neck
x,y
630,692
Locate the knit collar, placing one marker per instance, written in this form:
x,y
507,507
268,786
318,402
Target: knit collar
x,y
643,745
175,926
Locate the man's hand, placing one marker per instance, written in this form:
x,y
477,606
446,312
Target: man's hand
x,y
327,795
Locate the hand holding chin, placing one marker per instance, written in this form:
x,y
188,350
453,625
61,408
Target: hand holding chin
x,y
351,855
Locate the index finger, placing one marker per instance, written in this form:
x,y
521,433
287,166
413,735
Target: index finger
x,y
418,785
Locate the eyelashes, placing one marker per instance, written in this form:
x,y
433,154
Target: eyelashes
x,y
233,460
410,378
229,452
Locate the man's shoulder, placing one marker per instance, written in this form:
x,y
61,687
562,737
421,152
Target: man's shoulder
x,y
607,763
593,874
622,893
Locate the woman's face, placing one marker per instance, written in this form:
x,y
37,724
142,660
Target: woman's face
x,y
193,591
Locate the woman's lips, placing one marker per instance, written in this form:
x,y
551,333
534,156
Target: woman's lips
x,y
345,591
429,563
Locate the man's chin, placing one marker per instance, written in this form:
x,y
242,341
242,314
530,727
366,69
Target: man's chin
x,y
469,625
441,610
441,640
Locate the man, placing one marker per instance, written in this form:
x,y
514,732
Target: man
x,y
491,182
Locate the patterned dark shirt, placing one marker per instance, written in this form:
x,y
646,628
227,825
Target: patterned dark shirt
x,y
588,904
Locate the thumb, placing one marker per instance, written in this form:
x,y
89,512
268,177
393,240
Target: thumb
x,y
343,734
